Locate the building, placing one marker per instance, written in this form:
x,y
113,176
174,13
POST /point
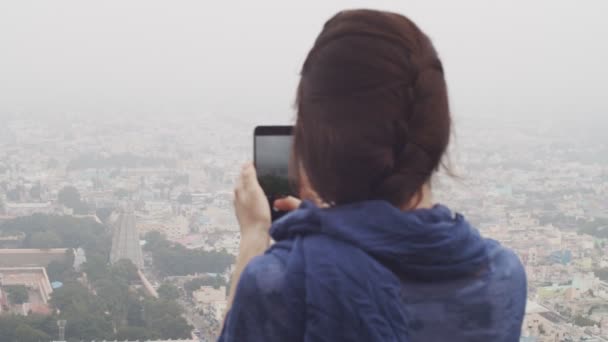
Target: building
x,y
209,299
24,257
26,209
125,238
541,324
36,281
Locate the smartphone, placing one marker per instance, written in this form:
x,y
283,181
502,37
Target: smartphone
x,y
271,154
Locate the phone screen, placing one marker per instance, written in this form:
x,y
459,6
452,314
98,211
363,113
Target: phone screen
x,y
271,154
272,163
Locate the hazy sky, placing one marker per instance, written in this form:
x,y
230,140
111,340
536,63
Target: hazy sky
x,y
524,57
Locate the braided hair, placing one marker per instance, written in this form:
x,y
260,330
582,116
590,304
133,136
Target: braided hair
x,y
373,119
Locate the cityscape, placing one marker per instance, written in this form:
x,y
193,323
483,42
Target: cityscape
x,y
124,229
125,125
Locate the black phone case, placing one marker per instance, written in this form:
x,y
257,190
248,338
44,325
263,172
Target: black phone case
x,y
271,130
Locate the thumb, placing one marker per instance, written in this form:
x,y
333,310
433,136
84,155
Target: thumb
x,y
248,175
287,204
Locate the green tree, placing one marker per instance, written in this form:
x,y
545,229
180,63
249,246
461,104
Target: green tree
x,y
104,214
69,196
82,208
130,333
583,321
74,232
114,294
73,297
61,270
172,259
164,318
17,294
25,333
155,240
88,325
196,283
84,311
168,291
8,323
135,309
96,268
124,269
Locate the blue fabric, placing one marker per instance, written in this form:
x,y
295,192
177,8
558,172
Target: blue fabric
x,y
370,272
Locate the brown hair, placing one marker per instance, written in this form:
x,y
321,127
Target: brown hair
x,y
373,120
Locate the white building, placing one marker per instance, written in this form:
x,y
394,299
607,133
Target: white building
x,y
208,298
26,209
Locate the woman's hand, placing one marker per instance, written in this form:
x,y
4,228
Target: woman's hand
x,y
251,205
253,213
287,204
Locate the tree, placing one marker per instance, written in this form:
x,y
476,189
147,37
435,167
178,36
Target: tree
x,y
17,294
196,283
168,291
72,297
583,321
82,208
155,240
175,259
69,196
84,311
73,232
114,294
25,333
96,268
2,207
135,334
165,319
61,270
88,325
124,269
135,309
104,214
32,327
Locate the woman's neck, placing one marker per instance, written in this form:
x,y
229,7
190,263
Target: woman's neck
x,y
422,200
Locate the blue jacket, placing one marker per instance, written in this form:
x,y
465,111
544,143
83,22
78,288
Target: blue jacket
x,y
370,272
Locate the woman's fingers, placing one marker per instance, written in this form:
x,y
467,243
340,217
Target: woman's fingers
x,y
250,203
287,204
248,175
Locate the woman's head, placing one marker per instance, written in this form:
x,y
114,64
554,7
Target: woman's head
x,y
372,110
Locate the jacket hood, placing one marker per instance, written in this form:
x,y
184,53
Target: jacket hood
x,y
422,244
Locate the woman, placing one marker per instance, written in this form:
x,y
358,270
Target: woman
x,y
368,256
